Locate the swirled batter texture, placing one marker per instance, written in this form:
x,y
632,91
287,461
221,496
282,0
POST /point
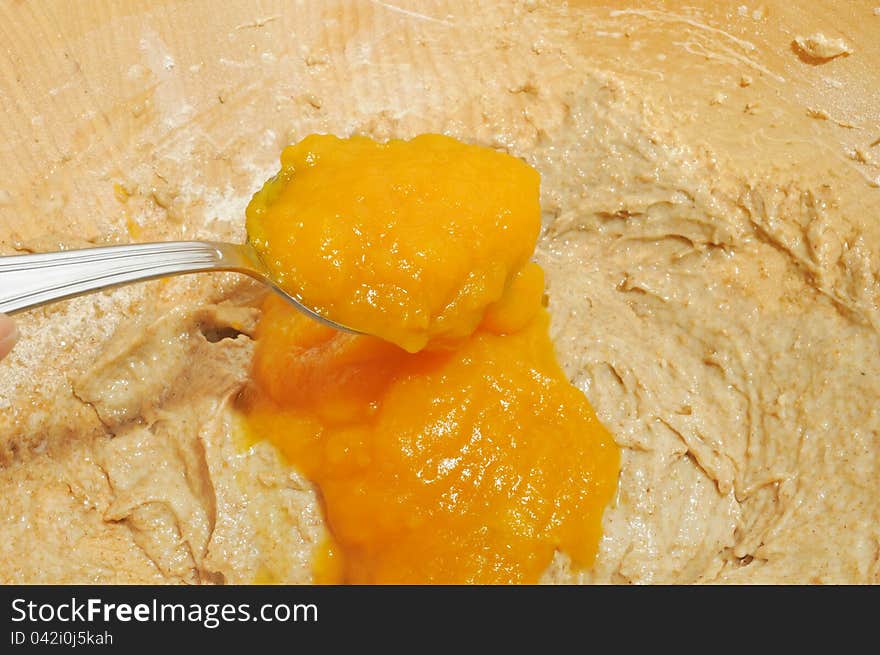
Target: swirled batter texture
x,y
709,241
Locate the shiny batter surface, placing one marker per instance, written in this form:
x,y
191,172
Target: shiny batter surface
x,y
709,240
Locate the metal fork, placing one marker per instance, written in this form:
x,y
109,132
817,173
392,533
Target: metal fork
x,y
28,281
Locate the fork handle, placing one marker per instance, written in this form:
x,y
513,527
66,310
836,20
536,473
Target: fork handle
x,y
28,281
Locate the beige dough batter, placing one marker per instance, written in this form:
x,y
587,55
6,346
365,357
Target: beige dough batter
x,y
711,243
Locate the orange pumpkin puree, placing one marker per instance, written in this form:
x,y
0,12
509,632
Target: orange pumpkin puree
x,y
408,240
472,460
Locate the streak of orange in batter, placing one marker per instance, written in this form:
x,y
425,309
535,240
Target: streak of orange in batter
x,y
472,460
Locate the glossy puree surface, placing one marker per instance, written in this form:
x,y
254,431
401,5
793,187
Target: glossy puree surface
x,y
406,240
472,460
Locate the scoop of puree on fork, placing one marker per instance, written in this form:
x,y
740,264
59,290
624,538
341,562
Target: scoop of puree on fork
x,y
448,446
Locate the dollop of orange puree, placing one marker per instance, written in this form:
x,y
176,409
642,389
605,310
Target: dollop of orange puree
x,y
470,460
407,240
